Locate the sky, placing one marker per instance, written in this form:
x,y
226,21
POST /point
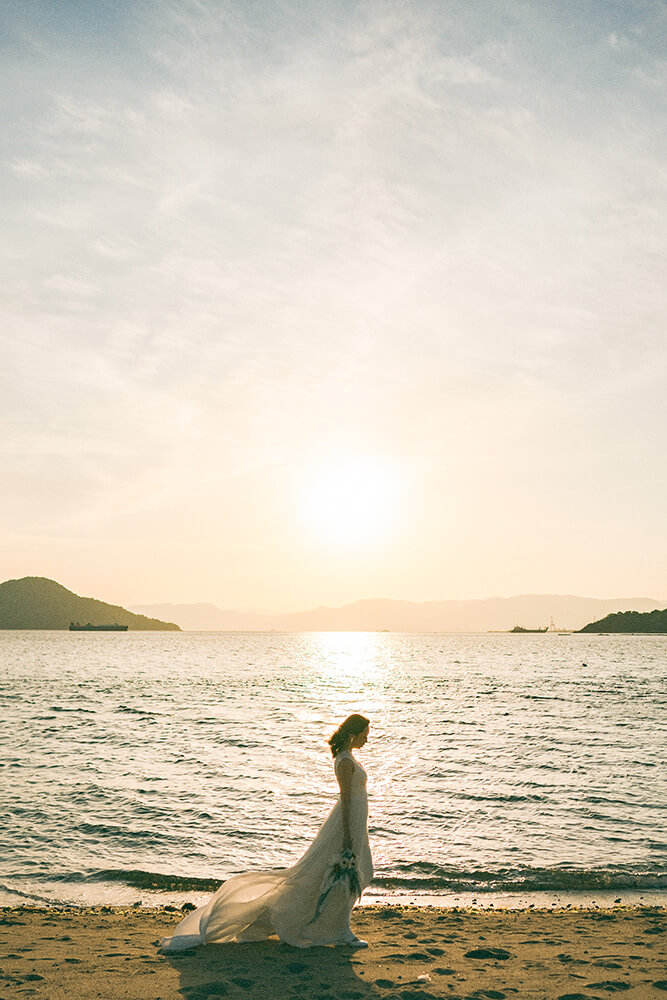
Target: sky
x,y
307,302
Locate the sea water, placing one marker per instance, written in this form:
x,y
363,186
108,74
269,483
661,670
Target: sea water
x,y
147,767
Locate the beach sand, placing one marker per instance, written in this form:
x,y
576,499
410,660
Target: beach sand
x,y
415,954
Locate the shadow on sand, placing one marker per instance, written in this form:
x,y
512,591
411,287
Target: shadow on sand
x,y
269,969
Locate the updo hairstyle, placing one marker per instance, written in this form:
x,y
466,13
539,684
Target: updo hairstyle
x,y
353,725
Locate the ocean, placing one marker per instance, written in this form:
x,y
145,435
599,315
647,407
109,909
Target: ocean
x,y
147,767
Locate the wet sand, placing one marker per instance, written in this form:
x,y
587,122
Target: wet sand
x,y
415,954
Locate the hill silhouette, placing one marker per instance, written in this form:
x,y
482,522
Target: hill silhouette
x,y
630,621
36,602
495,613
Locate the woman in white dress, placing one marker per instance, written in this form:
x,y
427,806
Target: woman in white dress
x,y
311,902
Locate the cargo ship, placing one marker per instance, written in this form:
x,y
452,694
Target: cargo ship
x,y
551,628
75,627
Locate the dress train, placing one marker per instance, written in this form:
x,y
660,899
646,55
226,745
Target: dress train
x,y
283,901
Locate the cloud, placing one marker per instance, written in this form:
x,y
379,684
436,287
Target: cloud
x,y
618,43
234,235
68,285
653,74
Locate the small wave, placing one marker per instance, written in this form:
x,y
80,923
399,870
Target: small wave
x,y
155,880
424,877
434,878
123,834
235,742
498,798
66,708
31,896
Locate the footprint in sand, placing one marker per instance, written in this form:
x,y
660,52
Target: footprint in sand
x,y
405,956
417,995
610,986
661,985
488,953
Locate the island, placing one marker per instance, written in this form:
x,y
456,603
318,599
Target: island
x,y
653,622
35,602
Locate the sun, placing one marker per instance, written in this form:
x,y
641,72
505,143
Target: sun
x,y
351,501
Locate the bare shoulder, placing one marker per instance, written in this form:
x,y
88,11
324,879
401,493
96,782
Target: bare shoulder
x,y
344,767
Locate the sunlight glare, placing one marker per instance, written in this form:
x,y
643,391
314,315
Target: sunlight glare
x,y
350,502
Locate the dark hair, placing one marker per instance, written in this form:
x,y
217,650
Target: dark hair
x,y
353,725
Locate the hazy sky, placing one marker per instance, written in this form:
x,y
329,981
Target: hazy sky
x,y
305,302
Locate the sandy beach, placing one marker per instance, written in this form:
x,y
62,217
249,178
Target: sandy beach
x,y
414,954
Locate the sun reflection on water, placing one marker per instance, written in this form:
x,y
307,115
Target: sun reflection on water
x,y
353,672
355,655
346,671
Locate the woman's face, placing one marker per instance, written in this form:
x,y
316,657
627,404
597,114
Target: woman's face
x,y
360,739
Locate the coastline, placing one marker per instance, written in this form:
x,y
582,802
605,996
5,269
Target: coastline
x,y
126,897
415,953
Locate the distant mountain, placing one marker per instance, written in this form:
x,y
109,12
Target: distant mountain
x,y
631,621
490,614
207,617
35,602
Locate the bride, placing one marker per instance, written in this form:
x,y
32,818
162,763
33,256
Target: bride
x,y
311,902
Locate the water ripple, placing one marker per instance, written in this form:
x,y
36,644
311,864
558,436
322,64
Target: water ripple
x,y
197,755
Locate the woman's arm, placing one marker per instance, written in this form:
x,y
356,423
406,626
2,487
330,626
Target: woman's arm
x,y
344,773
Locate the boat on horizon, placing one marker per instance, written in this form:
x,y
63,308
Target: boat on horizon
x,y
76,627
551,628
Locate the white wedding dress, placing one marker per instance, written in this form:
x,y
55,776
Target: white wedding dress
x,y
283,901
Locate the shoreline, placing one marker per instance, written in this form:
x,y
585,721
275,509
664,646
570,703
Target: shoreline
x,y
132,898
415,953
513,901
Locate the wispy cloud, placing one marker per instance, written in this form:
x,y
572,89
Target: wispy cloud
x,y
236,235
